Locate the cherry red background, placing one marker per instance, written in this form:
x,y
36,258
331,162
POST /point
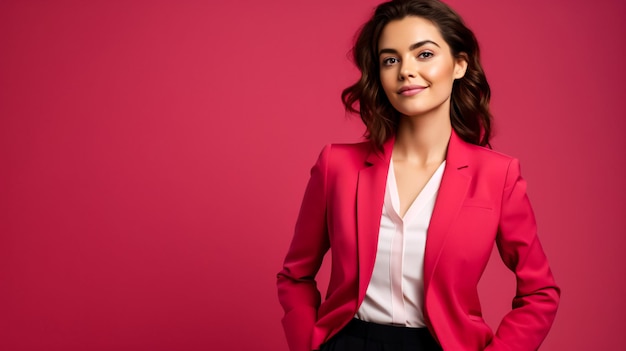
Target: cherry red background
x,y
154,155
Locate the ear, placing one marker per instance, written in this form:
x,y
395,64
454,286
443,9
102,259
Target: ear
x,y
460,65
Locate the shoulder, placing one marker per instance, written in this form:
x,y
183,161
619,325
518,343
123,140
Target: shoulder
x,y
338,155
490,166
489,158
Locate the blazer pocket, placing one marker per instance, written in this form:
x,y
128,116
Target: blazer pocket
x,y
477,203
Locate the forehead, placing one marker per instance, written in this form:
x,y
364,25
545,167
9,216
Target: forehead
x,y
400,34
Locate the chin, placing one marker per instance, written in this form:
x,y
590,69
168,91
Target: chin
x,y
411,112
416,111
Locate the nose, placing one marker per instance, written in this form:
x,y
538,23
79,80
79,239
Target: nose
x,y
408,69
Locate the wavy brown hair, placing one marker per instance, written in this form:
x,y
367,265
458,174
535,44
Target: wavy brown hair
x,y
469,111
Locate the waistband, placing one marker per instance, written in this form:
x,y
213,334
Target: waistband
x,y
386,333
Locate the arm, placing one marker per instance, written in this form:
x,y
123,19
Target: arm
x,y
537,296
297,289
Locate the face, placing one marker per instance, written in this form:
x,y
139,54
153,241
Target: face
x,y
417,69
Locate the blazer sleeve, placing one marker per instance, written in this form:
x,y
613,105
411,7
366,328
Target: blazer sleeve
x,y
297,288
537,296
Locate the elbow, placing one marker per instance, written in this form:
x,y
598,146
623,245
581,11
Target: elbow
x,y
544,301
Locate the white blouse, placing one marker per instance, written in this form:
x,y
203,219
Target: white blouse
x,y
395,292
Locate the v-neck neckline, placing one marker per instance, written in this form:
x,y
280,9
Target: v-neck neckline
x,y
420,201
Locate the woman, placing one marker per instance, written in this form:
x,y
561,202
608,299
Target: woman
x,y
412,214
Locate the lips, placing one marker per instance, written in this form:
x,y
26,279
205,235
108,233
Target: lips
x,y
409,90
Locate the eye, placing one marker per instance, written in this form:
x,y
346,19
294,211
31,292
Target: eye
x,y
390,61
425,54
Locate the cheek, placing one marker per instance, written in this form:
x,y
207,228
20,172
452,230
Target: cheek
x,y
438,73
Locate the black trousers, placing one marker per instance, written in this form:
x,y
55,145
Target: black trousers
x,y
365,336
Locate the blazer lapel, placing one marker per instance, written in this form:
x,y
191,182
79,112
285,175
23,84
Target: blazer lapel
x,y
369,204
450,197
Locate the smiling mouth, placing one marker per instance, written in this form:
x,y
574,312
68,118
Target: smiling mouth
x,y
411,90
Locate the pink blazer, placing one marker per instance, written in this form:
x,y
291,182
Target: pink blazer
x,y
481,201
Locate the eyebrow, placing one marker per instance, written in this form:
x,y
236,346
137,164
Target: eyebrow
x,y
411,48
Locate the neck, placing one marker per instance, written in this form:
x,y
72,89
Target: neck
x,y
422,140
